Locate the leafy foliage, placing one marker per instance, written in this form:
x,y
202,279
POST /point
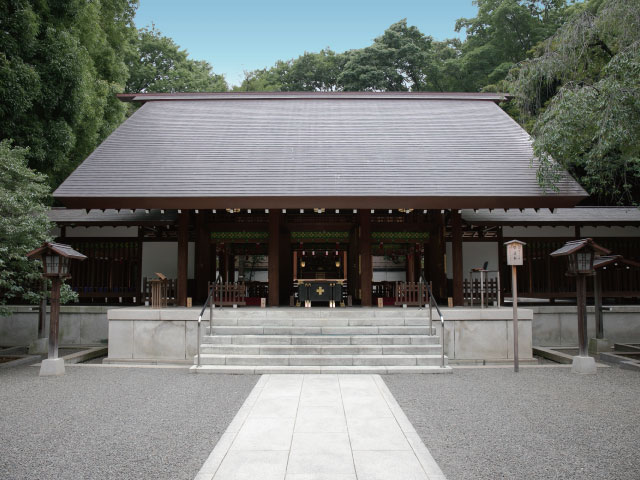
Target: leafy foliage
x,y
23,227
60,66
582,94
157,64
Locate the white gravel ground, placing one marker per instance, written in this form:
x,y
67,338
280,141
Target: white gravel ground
x,y
542,423
113,423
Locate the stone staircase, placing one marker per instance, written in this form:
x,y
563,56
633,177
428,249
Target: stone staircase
x,y
319,340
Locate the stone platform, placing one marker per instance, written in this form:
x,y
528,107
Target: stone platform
x,y
315,340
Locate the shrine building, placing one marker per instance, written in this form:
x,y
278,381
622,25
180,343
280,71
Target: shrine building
x,y
350,190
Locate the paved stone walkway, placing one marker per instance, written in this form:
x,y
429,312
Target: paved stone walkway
x,y
320,427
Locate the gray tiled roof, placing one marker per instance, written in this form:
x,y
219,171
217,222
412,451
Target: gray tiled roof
x,y
566,216
369,147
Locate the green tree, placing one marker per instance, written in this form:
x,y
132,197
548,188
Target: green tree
x,y
501,35
61,61
396,61
23,227
157,64
582,93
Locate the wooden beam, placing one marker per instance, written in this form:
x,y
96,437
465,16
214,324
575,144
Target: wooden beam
x,y
203,257
366,267
274,257
456,250
183,257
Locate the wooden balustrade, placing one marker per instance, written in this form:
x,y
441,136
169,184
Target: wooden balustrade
x,y
411,294
228,293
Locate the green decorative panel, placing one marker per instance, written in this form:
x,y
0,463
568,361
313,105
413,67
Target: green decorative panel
x,y
319,236
400,236
239,236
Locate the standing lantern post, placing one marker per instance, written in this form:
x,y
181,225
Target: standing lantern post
x,y
515,258
580,256
55,259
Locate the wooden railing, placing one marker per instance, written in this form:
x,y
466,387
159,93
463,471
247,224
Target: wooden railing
x,y
472,291
169,291
411,294
228,294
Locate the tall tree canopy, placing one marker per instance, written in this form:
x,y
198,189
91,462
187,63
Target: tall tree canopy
x,y
157,64
582,93
61,64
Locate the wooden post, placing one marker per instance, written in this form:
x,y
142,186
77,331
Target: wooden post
x,y
366,267
42,313
410,267
183,257
54,317
514,287
597,300
456,250
274,257
203,257
353,273
436,254
581,288
285,270
501,262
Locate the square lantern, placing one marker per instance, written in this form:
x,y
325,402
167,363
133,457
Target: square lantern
x,y
55,258
515,255
580,255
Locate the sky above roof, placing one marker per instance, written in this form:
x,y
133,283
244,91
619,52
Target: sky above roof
x,y
238,36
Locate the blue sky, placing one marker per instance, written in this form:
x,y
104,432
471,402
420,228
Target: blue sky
x,y
245,35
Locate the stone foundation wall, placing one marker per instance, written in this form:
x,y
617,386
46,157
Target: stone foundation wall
x,y
79,325
556,326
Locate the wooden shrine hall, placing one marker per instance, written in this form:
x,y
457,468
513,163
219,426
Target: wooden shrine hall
x,y
301,196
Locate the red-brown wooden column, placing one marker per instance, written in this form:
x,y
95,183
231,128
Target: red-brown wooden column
x,y
183,257
366,267
410,266
435,252
274,258
203,257
456,260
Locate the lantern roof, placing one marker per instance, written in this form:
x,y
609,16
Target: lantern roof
x,y
573,246
57,248
606,260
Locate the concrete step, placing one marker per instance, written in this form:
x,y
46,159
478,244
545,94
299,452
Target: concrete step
x,y
318,330
321,339
260,370
334,321
320,360
221,349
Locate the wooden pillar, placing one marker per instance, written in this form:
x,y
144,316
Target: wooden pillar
x,y
274,258
203,257
352,272
435,255
501,262
286,267
366,267
183,257
456,250
410,266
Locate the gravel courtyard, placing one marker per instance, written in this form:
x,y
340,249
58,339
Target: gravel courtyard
x,y
542,423
113,423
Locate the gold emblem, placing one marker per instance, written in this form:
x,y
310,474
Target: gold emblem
x,y
320,290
